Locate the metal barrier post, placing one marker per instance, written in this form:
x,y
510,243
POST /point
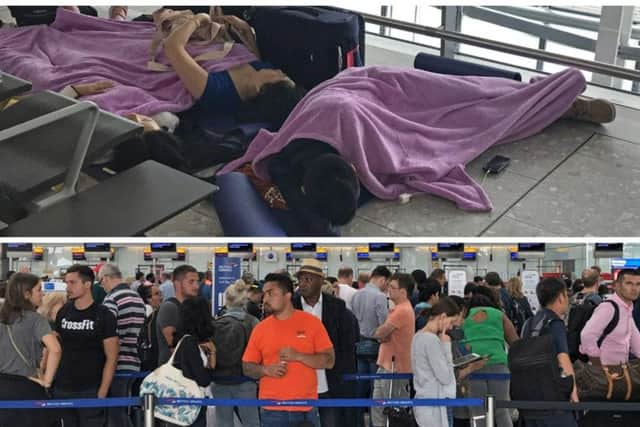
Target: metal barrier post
x,y
490,406
149,409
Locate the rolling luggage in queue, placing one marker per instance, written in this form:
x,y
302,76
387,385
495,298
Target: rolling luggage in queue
x,y
310,44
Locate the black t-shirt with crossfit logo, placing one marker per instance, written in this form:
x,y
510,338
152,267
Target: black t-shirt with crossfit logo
x,y
83,357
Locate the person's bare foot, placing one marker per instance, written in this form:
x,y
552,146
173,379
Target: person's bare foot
x,y
75,9
119,13
591,110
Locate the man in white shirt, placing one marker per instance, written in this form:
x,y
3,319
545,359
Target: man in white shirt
x,y
166,287
343,330
345,288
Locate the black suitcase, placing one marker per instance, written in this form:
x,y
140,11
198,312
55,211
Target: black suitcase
x,y
310,44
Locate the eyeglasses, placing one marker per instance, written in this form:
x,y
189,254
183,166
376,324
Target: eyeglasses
x,y
394,287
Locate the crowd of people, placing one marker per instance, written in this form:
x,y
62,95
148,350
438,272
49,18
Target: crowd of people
x,y
297,337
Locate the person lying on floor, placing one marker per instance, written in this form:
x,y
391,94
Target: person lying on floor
x,y
402,131
255,90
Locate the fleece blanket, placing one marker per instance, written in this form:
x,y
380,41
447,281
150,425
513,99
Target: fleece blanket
x,y
80,49
411,131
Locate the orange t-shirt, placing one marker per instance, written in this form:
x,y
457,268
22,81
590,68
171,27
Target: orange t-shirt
x,y
404,320
304,333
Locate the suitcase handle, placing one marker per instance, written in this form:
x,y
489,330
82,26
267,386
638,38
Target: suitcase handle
x,y
306,10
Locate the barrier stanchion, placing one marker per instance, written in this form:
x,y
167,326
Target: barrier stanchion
x,y
149,409
490,406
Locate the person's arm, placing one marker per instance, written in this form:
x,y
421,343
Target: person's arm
x,y
168,332
193,76
593,330
561,347
321,360
384,331
54,354
111,347
168,317
437,350
510,333
382,310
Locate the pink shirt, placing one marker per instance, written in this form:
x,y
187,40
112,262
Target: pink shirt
x,y
624,339
399,345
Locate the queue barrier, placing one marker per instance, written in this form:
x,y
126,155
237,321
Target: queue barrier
x,y
347,377
149,402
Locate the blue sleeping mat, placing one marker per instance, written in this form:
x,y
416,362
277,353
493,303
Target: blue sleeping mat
x,y
242,212
443,65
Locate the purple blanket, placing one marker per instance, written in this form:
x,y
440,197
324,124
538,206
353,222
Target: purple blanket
x,y
411,131
78,49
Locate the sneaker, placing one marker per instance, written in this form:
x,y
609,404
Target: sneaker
x,y
592,110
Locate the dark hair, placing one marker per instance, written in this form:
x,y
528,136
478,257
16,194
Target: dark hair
x,y
380,271
462,303
577,286
332,188
596,268
150,277
159,145
419,276
274,103
478,278
139,275
470,288
86,274
181,272
489,293
9,274
549,289
493,279
196,318
437,273
15,303
480,300
626,271
344,272
446,305
405,281
145,292
331,279
432,288
283,280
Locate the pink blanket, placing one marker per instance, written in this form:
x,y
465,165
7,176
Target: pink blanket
x,y
411,131
78,49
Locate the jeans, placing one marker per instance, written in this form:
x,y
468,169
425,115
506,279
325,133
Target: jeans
x,y
82,417
290,418
367,355
498,388
119,417
224,414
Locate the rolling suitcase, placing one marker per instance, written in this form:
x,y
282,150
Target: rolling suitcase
x,y
310,44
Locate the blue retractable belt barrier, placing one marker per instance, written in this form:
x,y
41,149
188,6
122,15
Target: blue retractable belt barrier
x,y
348,377
135,401
365,377
333,403
70,403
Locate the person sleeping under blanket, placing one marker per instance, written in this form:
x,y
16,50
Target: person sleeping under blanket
x,y
400,131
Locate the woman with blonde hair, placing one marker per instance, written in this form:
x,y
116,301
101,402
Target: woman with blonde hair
x,y
51,304
520,307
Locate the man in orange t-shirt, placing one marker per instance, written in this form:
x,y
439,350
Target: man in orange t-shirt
x,y
395,336
284,351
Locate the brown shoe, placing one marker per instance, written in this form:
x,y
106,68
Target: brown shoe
x,y
592,110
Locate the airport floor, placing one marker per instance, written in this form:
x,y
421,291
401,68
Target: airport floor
x,y
573,179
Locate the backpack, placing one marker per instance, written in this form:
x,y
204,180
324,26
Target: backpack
x,y
231,335
535,373
518,314
579,314
147,344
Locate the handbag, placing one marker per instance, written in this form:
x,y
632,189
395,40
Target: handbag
x,y
168,381
21,355
608,382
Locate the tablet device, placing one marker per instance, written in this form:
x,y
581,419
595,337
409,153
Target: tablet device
x,y
466,359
